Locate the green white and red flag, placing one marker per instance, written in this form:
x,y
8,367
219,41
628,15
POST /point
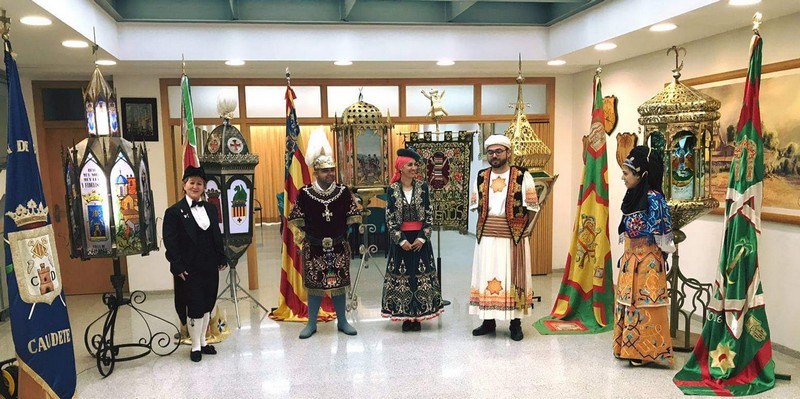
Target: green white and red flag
x,y
733,356
188,132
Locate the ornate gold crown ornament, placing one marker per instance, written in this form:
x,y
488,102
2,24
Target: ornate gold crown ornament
x,y
23,216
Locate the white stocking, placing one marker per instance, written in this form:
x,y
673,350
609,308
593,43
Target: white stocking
x,y
206,320
197,333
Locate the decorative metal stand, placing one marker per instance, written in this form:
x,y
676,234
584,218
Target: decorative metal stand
x,y
445,302
366,249
233,287
680,288
104,348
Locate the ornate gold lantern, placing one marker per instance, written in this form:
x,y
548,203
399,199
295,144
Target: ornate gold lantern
x,y
362,146
528,150
680,123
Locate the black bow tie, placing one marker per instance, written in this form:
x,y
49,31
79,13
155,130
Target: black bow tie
x,y
197,203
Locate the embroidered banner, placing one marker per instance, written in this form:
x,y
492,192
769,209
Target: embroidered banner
x,y
445,165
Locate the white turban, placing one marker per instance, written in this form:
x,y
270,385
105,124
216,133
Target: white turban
x,y
496,139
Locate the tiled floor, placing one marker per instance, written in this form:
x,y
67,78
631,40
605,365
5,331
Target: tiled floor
x,y
266,359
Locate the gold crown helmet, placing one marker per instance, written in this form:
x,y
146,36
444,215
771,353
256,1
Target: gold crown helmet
x,y
319,153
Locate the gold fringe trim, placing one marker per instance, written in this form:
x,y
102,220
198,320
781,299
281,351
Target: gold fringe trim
x,y
330,292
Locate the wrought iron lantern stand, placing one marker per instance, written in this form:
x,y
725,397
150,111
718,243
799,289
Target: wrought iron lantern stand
x,y
362,149
111,215
680,123
230,168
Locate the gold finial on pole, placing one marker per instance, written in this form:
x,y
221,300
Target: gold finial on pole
x,y
288,77
599,69
6,24
183,65
757,18
676,73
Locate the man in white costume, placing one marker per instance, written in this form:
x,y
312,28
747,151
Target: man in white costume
x,y
505,199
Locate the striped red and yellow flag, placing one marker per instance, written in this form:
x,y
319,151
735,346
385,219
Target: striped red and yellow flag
x,y
293,299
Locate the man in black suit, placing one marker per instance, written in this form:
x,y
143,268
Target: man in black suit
x,y
196,255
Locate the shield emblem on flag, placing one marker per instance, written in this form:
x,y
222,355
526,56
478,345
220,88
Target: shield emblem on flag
x,y
625,143
609,113
36,264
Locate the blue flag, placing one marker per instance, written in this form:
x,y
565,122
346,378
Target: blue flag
x,y
39,321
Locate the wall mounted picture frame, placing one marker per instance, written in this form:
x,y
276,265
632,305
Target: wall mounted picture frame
x,y
780,116
139,119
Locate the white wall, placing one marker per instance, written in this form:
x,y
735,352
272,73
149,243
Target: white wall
x,y
565,193
637,80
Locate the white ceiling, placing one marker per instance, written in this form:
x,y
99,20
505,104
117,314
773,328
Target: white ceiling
x,y
377,51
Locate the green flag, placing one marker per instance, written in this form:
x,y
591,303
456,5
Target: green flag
x,y
733,356
188,134
585,299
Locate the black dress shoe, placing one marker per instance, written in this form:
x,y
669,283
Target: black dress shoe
x,y
208,350
516,330
416,326
196,356
487,327
406,326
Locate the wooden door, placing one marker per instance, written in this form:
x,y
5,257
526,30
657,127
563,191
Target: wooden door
x,y
79,277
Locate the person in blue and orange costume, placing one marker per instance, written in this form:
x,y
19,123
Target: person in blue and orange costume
x,y
196,255
641,327
319,220
411,288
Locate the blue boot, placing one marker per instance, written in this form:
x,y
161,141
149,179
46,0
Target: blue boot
x,y
313,311
341,316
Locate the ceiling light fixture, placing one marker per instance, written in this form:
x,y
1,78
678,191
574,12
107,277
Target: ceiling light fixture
x,y
234,62
445,63
663,27
105,62
556,62
743,2
605,46
35,20
75,44
343,63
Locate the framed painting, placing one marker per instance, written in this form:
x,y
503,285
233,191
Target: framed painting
x,y
139,119
780,124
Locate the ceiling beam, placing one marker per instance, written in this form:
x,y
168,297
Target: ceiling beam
x,y
234,4
514,1
347,7
456,8
109,9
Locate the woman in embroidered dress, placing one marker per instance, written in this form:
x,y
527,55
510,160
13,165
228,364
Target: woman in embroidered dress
x,y
411,290
641,328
